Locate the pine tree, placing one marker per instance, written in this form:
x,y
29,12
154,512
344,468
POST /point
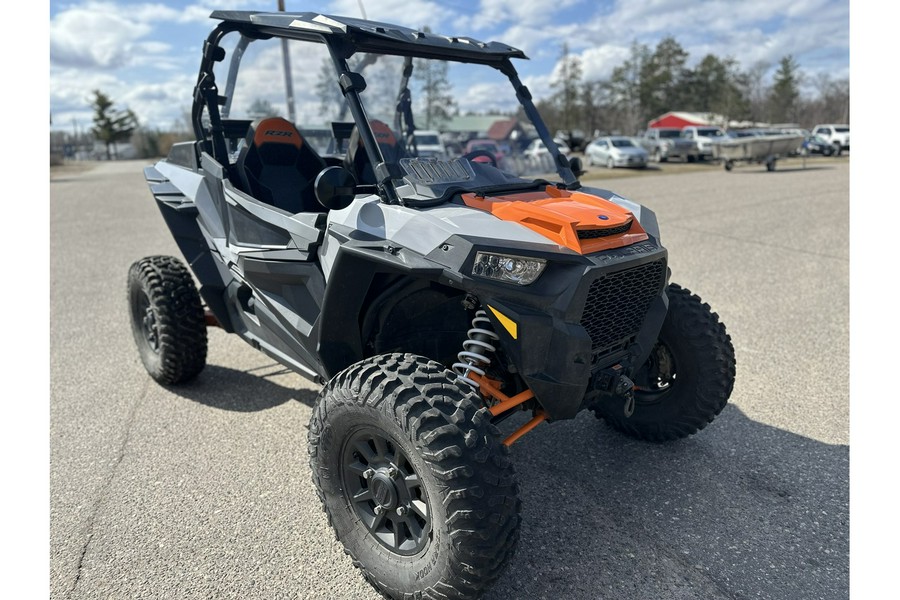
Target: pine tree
x,y
785,94
110,125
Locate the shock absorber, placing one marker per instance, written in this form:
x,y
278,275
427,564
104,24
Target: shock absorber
x,y
473,358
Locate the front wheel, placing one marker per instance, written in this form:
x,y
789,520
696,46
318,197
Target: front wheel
x,y
414,478
686,381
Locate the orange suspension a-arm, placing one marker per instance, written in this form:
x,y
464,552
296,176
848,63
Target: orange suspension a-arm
x,y
505,403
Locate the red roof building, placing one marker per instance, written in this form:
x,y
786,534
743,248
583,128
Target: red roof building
x,y
679,119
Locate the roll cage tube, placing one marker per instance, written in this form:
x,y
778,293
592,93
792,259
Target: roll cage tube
x,y
206,94
403,111
233,67
351,85
531,111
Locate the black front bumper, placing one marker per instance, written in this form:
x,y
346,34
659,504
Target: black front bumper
x,y
609,311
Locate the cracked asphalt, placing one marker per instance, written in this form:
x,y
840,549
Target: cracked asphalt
x,y
203,491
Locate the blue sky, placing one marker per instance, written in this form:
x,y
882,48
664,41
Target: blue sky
x,y
144,54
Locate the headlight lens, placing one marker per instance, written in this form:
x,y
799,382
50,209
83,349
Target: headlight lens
x,y
506,267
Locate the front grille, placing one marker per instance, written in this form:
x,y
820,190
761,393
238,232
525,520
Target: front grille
x,y
617,304
590,234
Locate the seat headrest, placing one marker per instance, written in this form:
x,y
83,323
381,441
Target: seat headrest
x,y
383,134
275,130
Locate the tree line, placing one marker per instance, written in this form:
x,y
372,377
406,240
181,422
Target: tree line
x,y
651,82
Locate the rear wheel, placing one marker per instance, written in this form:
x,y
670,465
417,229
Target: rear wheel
x,y
686,381
414,478
610,164
167,319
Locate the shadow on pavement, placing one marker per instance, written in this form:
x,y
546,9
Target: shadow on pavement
x,y
778,169
741,510
242,391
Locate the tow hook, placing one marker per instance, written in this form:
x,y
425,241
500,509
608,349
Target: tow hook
x,y
614,382
625,388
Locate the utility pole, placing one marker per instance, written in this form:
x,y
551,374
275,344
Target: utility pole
x,y
288,82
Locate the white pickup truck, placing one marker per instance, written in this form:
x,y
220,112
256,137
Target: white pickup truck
x,y
703,136
836,135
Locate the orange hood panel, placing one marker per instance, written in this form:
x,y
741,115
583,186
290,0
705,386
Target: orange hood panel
x,y
579,221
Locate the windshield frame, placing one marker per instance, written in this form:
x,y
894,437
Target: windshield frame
x,y
388,174
345,37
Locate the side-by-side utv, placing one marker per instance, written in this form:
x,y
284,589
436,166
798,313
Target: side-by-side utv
x,y
432,297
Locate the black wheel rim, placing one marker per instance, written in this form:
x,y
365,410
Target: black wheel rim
x,y
657,377
145,316
385,492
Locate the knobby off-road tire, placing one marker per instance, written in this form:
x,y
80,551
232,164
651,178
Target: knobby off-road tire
x,y
167,319
437,435
687,380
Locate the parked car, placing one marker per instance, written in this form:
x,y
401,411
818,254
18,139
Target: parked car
x,y
816,144
837,135
429,144
538,157
616,151
488,145
663,143
703,138
575,139
537,148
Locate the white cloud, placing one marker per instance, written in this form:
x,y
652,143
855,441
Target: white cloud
x,y
99,34
487,97
597,63
409,13
89,36
199,12
522,12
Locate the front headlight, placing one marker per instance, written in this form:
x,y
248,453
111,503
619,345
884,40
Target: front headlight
x,y
509,268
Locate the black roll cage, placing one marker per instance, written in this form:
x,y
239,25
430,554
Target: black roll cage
x,y
344,37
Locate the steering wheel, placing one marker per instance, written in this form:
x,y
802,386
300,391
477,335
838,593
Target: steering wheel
x,y
474,155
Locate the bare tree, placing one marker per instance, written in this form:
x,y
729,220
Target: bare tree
x,y
567,84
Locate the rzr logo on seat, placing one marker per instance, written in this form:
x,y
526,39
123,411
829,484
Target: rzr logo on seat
x,y
279,133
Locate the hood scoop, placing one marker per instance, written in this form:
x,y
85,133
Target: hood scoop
x,y
582,222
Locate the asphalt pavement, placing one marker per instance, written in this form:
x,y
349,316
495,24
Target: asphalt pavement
x,y
204,491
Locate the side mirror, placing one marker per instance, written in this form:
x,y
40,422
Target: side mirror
x,y
335,188
576,166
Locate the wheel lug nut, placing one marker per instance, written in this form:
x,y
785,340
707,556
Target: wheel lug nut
x,y
368,473
393,472
379,509
401,510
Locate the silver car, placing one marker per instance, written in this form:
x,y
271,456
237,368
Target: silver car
x,y
615,151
